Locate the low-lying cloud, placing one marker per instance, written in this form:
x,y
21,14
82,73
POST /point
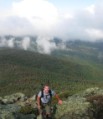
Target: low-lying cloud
x,y
39,44
12,42
45,45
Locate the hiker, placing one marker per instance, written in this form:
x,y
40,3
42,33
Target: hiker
x,y
44,99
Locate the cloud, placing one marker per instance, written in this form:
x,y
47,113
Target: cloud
x,y
25,43
6,43
10,43
41,13
3,42
14,25
45,44
95,33
88,22
91,9
34,17
42,18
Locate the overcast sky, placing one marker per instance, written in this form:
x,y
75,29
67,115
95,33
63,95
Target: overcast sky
x,y
67,19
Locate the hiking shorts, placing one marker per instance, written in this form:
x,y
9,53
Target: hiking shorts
x,y
47,107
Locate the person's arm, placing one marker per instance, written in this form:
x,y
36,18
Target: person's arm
x,y
38,101
59,100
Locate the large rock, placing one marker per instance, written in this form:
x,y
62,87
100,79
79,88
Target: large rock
x,y
6,115
77,106
13,98
6,111
11,111
10,107
22,116
73,109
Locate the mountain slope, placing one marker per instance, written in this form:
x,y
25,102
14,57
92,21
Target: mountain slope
x,y
81,50
24,71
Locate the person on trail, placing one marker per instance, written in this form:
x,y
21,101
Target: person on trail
x,y
44,99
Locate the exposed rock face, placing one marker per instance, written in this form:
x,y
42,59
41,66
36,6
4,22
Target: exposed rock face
x,y
10,107
85,105
10,99
77,106
6,111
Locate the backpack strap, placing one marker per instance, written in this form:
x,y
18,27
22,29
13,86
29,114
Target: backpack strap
x,y
50,93
42,94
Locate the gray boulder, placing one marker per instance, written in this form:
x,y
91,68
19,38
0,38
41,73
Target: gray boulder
x,y
77,106
10,99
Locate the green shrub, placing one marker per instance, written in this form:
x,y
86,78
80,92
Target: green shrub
x,y
64,95
27,110
97,103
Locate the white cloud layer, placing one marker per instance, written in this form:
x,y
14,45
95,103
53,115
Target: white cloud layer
x,y
45,45
42,14
42,18
25,43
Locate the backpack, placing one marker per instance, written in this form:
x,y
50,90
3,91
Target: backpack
x,y
42,94
50,93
